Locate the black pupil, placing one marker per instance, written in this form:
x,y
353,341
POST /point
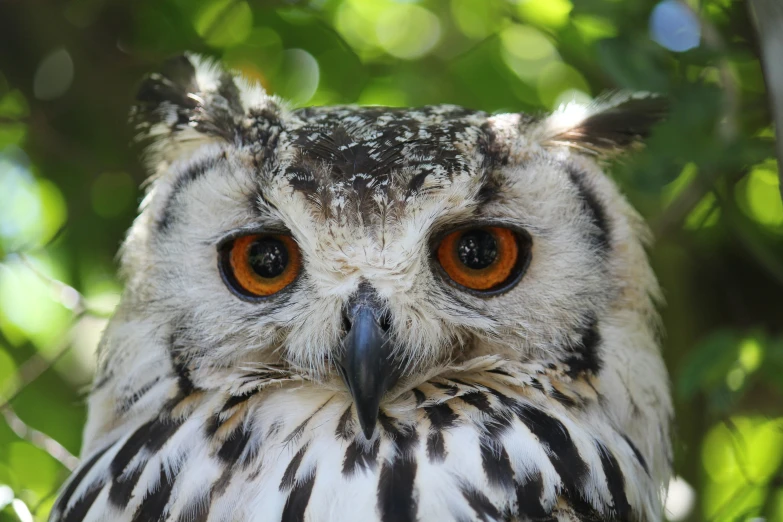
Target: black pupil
x,y
477,249
268,257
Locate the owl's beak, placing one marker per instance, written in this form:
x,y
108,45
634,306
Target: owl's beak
x,y
367,365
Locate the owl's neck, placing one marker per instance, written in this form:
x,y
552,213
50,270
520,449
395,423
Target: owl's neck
x,y
539,434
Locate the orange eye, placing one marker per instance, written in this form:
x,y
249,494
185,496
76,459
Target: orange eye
x,y
260,265
484,259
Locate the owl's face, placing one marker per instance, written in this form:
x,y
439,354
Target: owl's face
x,y
373,244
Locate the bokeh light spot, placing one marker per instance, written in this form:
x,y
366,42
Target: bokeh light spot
x,y
6,495
31,210
735,379
20,208
526,51
258,58
560,83
592,28
527,43
54,75
407,31
547,13
14,105
21,510
674,26
476,19
298,76
224,23
680,500
358,29
762,195
572,96
750,354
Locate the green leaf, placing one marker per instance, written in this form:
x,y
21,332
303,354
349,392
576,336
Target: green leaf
x,y
633,64
706,366
35,469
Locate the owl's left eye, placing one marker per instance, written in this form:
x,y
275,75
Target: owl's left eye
x,y
486,260
260,265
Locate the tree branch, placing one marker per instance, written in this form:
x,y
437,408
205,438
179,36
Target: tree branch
x,y
768,17
38,438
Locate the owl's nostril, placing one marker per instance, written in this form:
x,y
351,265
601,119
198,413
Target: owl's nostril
x,y
346,323
384,321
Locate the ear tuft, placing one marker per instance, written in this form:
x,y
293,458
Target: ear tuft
x,y
191,102
609,125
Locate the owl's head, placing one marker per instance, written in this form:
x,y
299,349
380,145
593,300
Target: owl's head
x,y
375,244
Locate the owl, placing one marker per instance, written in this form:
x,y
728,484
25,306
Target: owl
x,y
377,314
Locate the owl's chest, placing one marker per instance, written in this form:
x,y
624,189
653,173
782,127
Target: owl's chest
x,y
443,451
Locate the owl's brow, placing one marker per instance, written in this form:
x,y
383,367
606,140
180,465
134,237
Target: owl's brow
x,y
182,180
592,206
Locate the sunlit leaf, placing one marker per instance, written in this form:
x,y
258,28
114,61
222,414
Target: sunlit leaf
x,y
27,303
704,214
739,458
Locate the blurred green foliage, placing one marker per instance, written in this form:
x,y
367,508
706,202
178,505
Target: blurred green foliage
x,y
707,182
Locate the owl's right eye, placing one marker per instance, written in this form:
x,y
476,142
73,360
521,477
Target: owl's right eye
x,y
260,265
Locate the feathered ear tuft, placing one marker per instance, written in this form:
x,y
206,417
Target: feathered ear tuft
x,y
192,101
608,126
